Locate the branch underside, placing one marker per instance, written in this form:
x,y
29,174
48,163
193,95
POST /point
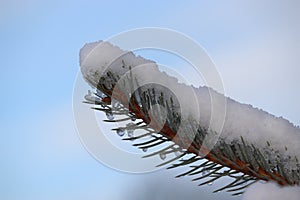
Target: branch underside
x,y
239,160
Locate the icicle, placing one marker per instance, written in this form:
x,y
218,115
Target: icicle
x,y
109,115
130,129
121,132
133,118
100,94
130,133
91,98
116,104
204,172
162,156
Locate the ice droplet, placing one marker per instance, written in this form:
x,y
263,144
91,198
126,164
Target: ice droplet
x,y
120,132
91,98
162,156
130,133
204,172
100,94
144,149
130,129
116,104
177,153
210,183
109,115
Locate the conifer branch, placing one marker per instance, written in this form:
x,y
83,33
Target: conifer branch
x,y
244,162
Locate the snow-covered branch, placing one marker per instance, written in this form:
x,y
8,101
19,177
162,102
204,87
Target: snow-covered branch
x,y
252,144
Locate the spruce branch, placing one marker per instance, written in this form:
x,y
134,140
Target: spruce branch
x,y
155,110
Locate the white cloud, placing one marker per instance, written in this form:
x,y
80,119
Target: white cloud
x,y
271,191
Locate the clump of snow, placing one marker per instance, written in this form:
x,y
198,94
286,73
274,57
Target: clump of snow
x,y
97,57
256,126
271,191
261,128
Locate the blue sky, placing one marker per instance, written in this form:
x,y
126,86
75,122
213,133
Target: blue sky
x,y
254,44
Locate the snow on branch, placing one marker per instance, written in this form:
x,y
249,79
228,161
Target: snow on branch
x,y
253,144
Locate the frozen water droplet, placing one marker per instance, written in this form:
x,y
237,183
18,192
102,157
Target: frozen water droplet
x,y
204,172
130,124
90,97
210,183
133,118
130,129
144,149
178,152
109,84
120,132
100,94
130,133
162,156
116,104
109,115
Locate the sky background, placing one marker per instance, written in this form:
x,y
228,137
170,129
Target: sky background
x,y
254,44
